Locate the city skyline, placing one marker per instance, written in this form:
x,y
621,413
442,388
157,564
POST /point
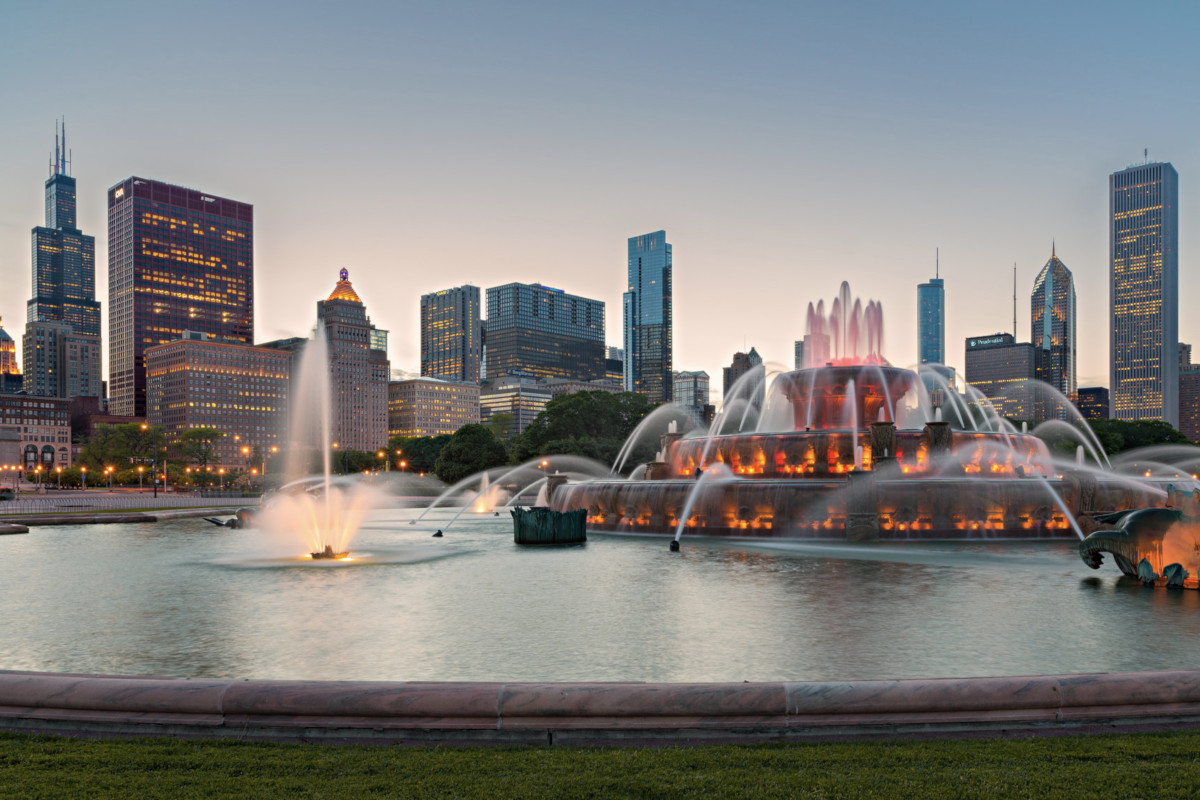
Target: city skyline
x,y
746,129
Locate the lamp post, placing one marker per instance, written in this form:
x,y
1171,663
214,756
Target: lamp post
x,y
381,454
154,460
83,477
274,449
403,466
221,472
59,471
141,470
38,472
109,471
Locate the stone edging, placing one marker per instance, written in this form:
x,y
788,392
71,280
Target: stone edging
x,y
594,713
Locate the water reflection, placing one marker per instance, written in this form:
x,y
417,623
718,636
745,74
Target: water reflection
x,y
185,598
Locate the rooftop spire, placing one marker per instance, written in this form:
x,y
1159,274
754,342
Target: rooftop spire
x,y
1052,255
58,166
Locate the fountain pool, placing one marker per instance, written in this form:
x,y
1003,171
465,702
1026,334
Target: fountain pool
x,y
186,598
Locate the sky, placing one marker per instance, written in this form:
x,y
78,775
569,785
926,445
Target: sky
x,y
784,147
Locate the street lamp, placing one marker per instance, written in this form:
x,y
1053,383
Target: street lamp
x,y
221,472
59,471
274,449
140,471
403,466
383,455
83,478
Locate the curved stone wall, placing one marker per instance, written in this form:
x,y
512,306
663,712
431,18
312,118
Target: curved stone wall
x,y
592,713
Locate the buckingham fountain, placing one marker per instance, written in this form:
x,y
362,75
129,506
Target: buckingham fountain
x,y
853,448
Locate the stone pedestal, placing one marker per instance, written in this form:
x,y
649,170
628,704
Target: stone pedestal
x,y
552,483
941,438
862,508
883,443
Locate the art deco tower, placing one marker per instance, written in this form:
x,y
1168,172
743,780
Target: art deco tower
x,y
1052,315
648,318
1144,290
358,369
178,260
61,345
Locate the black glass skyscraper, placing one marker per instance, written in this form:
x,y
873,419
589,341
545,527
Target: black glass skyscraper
x,y
62,334
64,259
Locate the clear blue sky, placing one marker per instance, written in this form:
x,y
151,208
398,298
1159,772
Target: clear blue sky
x,y
784,147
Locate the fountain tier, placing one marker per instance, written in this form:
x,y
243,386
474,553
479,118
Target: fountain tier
x,y
813,468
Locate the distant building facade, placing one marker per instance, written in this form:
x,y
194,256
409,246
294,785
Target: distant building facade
x,y
1000,367
931,322
1052,318
359,369
10,371
1093,402
40,427
202,381
544,331
61,345
178,260
452,334
742,363
522,396
614,366
431,407
691,389
648,318
1144,288
60,363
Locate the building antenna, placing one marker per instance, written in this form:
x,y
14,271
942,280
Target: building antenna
x,y
1014,300
1146,154
936,264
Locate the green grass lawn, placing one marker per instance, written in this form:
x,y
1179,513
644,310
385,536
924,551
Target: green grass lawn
x,y
1111,766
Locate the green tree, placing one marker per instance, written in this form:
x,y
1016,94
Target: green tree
x,y
419,452
593,424
502,425
472,448
1117,435
197,444
117,445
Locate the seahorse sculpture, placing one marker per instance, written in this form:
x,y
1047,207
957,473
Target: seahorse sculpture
x,y
1136,533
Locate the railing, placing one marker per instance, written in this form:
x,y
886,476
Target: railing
x,y
101,502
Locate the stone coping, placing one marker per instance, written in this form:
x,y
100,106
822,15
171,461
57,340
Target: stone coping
x,y
594,713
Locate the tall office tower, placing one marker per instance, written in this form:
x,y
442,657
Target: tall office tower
x,y
647,315
178,259
451,334
931,322
1143,239
359,369
64,306
546,332
1052,316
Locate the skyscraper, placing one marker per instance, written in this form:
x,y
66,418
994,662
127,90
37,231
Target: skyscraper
x,y
647,316
1052,316
931,321
1144,289
359,369
178,259
10,372
451,334
61,345
544,332
1001,368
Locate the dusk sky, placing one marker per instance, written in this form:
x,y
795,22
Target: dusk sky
x,y
783,147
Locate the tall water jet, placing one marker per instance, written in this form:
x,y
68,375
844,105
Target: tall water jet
x,y
327,517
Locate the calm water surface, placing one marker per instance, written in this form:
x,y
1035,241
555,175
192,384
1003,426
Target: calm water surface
x,y
186,598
